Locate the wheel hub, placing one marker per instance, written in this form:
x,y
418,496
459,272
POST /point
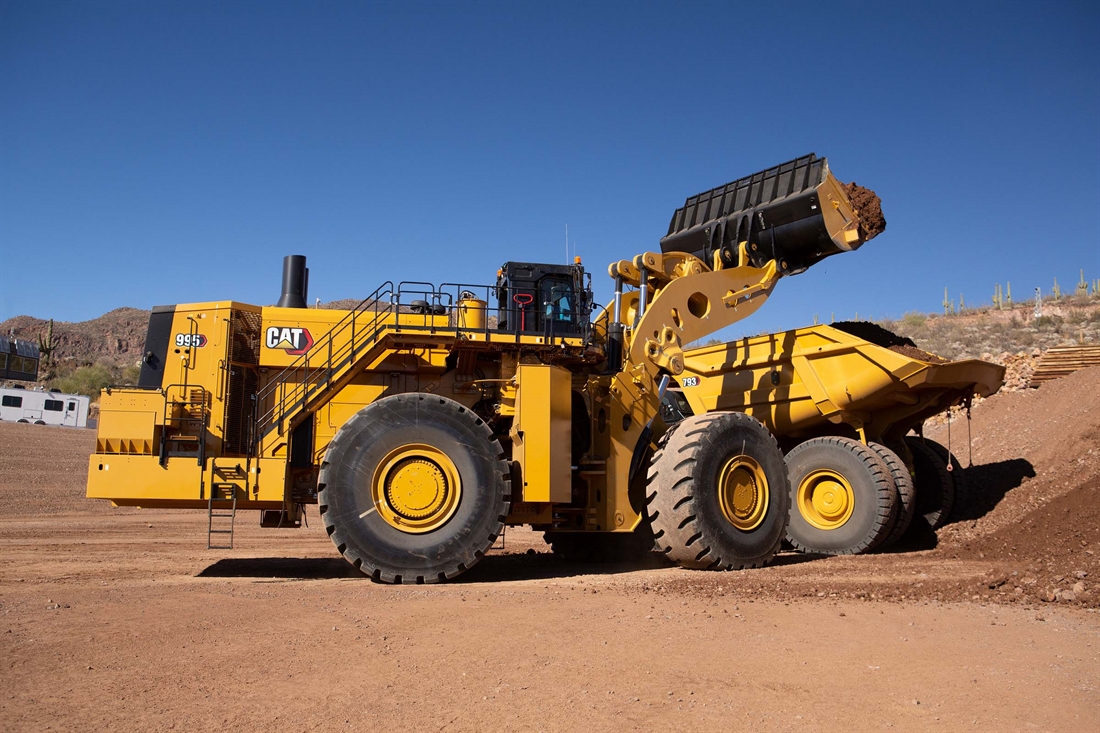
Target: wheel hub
x,y
416,488
743,493
826,499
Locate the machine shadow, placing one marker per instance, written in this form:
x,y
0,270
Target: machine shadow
x,y
501,568
987,485
546,566
491,569
281,568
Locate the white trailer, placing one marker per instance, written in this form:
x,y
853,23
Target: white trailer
x,y
43,407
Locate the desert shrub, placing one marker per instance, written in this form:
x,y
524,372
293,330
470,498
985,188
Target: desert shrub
x,y
914,319
86,380
1077,316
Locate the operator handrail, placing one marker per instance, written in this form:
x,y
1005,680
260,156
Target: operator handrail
x,y
374,307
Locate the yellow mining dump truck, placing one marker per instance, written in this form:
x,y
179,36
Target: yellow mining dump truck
x,y
427,418
842,399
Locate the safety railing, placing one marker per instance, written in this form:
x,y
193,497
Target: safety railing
x,y
291,391
417,307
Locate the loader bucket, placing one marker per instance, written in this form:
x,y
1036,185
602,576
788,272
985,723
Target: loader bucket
x,y
796,213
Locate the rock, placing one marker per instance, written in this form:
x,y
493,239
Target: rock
x,y
1067,595
1080,574
1078,587
1050,596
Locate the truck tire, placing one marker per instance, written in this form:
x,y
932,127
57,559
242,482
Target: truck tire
x,y
957,474
718,496
935,489
414,488
843,498
906,493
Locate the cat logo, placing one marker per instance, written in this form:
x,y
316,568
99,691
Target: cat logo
x,y
294,341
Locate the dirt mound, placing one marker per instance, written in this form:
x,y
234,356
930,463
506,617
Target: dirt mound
x,y
868,208
1035,483
1018,368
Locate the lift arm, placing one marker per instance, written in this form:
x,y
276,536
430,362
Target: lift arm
x,y
725,252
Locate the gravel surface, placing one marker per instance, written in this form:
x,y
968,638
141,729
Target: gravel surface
x,y
119,619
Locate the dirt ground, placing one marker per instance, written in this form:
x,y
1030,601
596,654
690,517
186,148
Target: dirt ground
x,y
120,619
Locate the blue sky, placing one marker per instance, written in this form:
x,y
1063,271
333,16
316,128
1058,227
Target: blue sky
x,y
158,153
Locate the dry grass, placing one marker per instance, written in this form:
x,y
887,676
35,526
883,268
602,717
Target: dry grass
x,y
989,331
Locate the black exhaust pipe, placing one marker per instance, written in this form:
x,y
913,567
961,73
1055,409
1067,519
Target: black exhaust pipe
x,y
295,282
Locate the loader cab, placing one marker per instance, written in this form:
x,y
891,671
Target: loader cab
x,y
551,300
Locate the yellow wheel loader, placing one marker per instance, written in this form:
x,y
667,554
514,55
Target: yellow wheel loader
x,y
427,418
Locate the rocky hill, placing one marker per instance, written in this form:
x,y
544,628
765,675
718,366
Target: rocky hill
x,y
1013,336
115,338
987,331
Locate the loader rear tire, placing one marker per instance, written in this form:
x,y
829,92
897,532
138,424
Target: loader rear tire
x,y
717,495
843,498
414,488
906,493
935,489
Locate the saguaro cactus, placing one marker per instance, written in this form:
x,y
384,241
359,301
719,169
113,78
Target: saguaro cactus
x,y
46,345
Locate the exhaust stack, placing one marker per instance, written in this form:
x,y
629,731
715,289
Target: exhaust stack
x,y
295,282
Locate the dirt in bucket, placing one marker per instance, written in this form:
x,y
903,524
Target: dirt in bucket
x,y
868,207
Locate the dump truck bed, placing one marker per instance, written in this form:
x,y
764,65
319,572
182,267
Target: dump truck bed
x,y
805,382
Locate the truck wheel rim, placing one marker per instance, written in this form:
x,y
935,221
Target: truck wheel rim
x,y
743,493
825,499
416,488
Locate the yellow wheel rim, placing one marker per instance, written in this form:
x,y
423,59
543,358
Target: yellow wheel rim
x,y
743,493
416,488
825,499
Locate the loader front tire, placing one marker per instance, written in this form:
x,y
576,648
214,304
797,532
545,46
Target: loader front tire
x,y
414,488
717,493
843,499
